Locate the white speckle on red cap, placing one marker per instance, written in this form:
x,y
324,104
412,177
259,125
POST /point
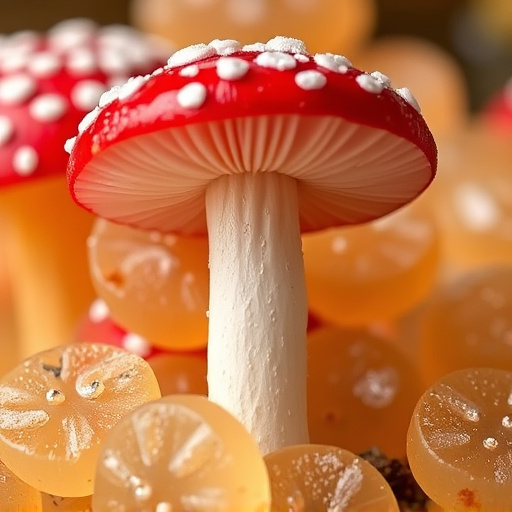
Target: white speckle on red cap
x,y
136,344
310,79
406,94
131,87
192,95
381,77
231,68
71,33
81,61
69,145
254,47
191,54
88,119
44,64
16,89
190,71
109,96
276,60
98,311
15,62
86,94
225,46
25,160
332,62
6,130
369,83
48,107
114,61
158,71
286,44
300,57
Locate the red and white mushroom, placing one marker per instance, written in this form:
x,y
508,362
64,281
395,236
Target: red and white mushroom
x,y
253,144
48,82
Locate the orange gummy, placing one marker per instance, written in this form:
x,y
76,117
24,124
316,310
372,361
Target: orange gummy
x,y
374,272
181,453
315,478
154,285
57,407
468,323
16,495
59,504
460,438
361,391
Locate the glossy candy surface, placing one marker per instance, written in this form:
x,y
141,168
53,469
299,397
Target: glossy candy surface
x,y
57,407
59,504
180,453
16,495
460,438
316,478
361,391
154,285
372,272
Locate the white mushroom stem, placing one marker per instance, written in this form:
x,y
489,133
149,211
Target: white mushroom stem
x,y
258,306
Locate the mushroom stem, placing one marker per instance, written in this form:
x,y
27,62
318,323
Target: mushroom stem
x,y
258,306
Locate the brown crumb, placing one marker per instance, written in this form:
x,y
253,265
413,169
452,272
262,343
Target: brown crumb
x,y
467,498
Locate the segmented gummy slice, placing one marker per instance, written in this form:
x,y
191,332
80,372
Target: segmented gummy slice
x,y
16,495
321,478
460,441
57,407
59,504
181,453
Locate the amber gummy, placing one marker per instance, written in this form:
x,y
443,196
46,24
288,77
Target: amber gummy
x,y
460,438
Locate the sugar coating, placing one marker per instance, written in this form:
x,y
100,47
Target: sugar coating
x,y
370,83
225,46
192,95
231,68
191,54
46,108
311,79
336,63
70,144
286,44
88,120
189,71
109,96
276,60
17,89
86,94
406,94
25,160
6,130
131,87
381,77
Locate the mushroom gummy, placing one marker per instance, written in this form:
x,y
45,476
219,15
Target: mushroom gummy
x,y
460,438
16,495
317,478
154,285
253,144
57,407
179,453
374,272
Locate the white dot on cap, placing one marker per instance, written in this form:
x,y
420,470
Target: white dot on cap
x,y
369,83
109,96
191,54
300,57
98,311
189,71
69,145
25,160
48,107
254,47
191,95
225,46
81,61
310,79
286,44
14,62
44,64
131,87
88,119
231,68
6,130
276,60
332,62
86,94
16,89
406,94
382,78
136,344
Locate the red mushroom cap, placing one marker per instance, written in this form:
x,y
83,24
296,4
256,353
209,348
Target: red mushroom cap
x,y
358,148
49,82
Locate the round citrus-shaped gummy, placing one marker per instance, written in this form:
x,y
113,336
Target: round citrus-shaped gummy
x,y
181,453
460,441
154,285
57,407
16,495
315,478
361,391
373,272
